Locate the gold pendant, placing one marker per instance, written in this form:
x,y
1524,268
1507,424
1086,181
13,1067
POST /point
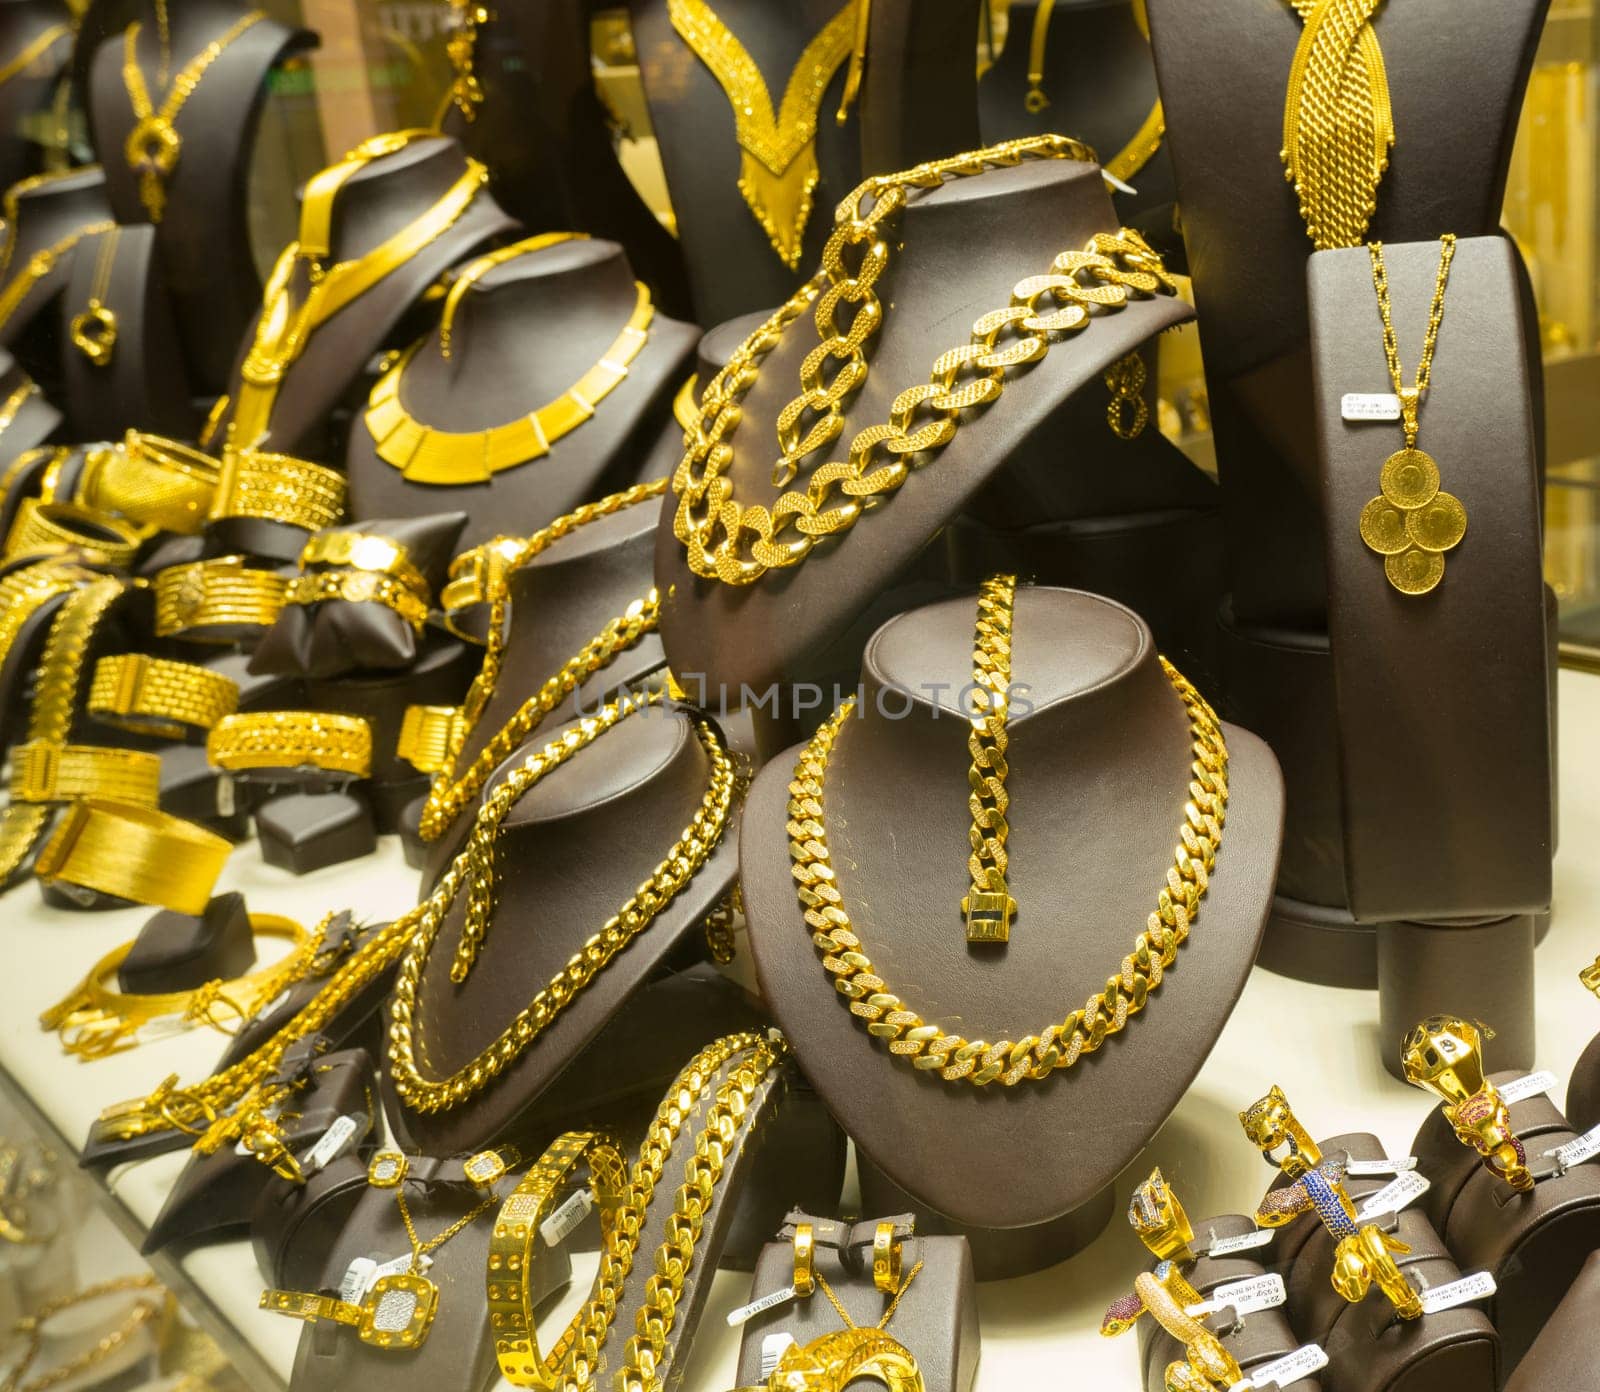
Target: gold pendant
x,y
1412,522
94,333
152,150
398,1311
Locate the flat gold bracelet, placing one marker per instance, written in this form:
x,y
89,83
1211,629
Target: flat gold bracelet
x,y
278,488
283,739
219,593
364,551
149,479
359,587
427,735
27,590
134,853
44,528
157,696
988,906
47,771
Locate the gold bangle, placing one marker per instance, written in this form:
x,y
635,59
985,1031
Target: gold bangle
x,y
363,551
153,480
278,488
50,479
513,1249
885,1259
134,853
805,1259
43,528
427,735
359,587
292,739
219,593
44,771
157,696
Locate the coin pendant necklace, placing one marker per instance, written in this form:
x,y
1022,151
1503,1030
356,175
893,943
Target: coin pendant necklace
x,y
1412,522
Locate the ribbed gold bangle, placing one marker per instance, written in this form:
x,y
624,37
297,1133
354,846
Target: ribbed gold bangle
x,y
50,479
363,551
24,592
427,735
359,587
222,592
153,480
45,528
278,488
157,696
134,853
44,771
290,740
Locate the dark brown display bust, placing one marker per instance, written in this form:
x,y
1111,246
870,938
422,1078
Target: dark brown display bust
x,y
35,421
966,245
1099,770
203,238
48,212
31,89
1566,1354
520,339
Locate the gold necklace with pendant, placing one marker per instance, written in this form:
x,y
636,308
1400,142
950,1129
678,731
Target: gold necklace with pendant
x,y
777,155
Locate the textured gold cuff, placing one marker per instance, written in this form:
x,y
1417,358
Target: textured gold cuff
x,y
279,488
134,853
217,593
24,592
360,587
44,528
363,551
292,739
427,735
153,480
156,696
43,771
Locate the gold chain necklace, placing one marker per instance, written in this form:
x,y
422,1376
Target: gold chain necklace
x,y
738,543
41,263
473,870
32,1326
154,145
988,904
1412,523
1338,126
777,156
928,1046
32,51
93,330
452,791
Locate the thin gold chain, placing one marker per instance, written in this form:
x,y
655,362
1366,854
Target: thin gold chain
x,y
33,1327
1391,346
888,1314
34,50
419,1248
988,905
41,263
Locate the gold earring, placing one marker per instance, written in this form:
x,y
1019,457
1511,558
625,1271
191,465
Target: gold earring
x,y
885,1259
805,1271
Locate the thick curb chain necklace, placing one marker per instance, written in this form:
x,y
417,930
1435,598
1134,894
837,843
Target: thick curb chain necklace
x,y
929,1047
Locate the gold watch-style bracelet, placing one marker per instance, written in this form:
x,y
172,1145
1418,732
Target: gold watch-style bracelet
x,y
364,551
47,771
134,853
359,587
47,528
427,735
285,739
278,488
158,696
219,593
152,480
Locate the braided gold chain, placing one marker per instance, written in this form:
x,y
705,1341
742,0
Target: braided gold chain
x,y
1338,125
928,1046
451,792
474,870
737,544
988,904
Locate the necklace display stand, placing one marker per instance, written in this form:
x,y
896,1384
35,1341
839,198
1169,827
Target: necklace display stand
x,y
1583,1091
1456,77
30,90
49,211
34,422
1100,760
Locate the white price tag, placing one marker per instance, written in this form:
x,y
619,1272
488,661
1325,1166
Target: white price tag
x,y
357,1280
1394,1196
773,1347
1478,1286
1369,406
1246,1297
561,1224
1286,1371
332,1141
1586,1147
745,1313
1529,1085
1245,1242
227,803
1359,1169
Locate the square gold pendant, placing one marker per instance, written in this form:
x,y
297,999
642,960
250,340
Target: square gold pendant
x,y
988,916
398,1311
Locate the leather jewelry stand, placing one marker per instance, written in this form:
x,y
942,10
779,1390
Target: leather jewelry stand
x,y
520,339
181,952
143,385
1534,1243
34,422
966,245
1564,1357
47,213
1412,741
307,830
293,1226
31,89
1456,77
937,1320
1100,760
203,240
1583,1091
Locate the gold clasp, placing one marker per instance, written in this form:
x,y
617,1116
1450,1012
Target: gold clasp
x,y
1410,401
989,914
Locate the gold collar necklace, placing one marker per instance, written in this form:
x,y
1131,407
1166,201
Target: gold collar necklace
x,y
777,156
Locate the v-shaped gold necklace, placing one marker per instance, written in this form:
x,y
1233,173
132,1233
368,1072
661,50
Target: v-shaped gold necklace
x,y
777,156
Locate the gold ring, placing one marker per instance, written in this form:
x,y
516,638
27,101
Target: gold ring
x,y
805,1270
886,1259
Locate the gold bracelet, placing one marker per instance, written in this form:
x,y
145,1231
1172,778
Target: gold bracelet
x,y
427,734
988,906
513,1250
50,478
292,739
153,480
134,853
278,488
46,771
26,591
359,587
363,551
46,528
222,592
157,696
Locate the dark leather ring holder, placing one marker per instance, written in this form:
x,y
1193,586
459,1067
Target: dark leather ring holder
x,y
179,952
34,422
1566,1353
307,830
1583,1091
